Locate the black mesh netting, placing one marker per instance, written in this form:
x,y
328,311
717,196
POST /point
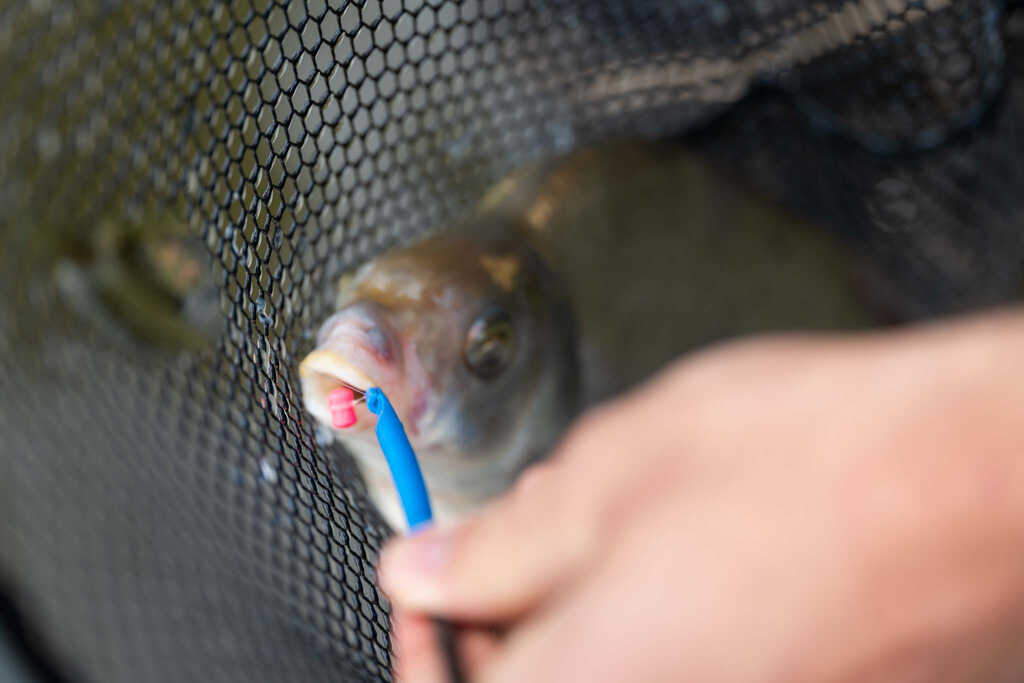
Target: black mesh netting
x,y
171,515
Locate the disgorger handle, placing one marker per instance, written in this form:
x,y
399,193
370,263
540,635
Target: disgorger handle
x,y
412,492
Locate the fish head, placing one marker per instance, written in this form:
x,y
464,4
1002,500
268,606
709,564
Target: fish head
x,y
472,340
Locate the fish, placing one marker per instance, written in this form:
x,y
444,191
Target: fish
x,y
471,336
573,280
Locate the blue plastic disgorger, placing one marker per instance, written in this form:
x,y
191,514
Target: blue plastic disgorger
x,y
412,492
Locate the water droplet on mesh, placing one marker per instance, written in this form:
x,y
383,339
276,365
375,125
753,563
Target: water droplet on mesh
x,y
267,471
322,435
458,147
562,135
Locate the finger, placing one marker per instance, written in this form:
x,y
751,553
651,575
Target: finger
x,y
418,651
616,623
417,658
497,565
477,648
580,637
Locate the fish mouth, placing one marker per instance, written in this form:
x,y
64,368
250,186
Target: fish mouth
x,y
325,370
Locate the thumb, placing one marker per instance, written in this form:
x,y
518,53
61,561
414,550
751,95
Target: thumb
x,y
497,565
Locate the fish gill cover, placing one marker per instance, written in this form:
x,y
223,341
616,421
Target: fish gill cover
x,y
181,184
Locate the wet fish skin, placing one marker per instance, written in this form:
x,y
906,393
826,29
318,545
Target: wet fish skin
x,y
413,322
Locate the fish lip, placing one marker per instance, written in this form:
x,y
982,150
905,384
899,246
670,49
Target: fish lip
x,y
324,370
332,363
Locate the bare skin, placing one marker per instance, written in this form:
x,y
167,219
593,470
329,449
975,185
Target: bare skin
x,y
795,508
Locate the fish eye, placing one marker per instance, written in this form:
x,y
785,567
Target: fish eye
x,y
490,343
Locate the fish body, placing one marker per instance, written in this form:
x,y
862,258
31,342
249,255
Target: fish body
x,y
573,280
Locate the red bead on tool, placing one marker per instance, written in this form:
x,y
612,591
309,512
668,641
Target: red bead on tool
x,y
343,413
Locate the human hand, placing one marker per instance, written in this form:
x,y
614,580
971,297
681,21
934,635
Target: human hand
x,y
795,508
